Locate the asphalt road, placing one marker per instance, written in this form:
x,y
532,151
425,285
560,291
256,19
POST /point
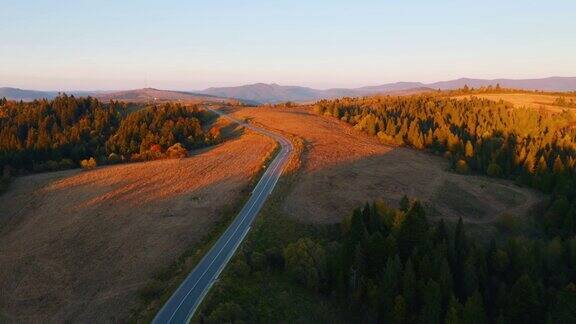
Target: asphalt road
x,y
183,303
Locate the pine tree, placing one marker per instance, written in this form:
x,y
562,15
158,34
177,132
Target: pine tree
x,y
469,150
454,312
390,287
441,233
414,230
473,312
542,166
399,310
558,167
524,306
409,288
460,253
432,303
564,309
404,203
470,281
530,164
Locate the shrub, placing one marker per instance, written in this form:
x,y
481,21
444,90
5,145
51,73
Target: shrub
x,y
228,312
66,164
52,165
154,153
155,148
494,170
176,151
88,164
240,268
305,260
257,261
461,167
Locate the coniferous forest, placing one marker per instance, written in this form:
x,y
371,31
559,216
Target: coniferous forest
x,y
57,134
394,266
536,148
389,265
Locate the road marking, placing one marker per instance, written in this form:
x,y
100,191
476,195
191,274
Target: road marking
x,y
271,173
221,249
221,268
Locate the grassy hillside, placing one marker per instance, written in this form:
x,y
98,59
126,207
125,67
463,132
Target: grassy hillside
x,y
94,246
342,167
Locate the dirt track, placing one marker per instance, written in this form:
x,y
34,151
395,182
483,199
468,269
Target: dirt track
x,y
76,246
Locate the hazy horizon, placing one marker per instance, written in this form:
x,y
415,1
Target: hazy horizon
x,y
269,83
176,45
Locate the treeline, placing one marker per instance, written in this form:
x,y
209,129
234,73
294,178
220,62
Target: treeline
x,y
60,133
533,147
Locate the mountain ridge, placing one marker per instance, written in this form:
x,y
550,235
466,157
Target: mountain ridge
x,y
260,93
278,93
134,95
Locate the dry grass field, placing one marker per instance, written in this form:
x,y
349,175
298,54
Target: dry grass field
x,y
76,246
342,169
528,100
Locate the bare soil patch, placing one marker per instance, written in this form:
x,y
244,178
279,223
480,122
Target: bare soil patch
x,y
343,168
77,246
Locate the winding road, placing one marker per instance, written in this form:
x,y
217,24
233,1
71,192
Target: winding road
x,y
183,303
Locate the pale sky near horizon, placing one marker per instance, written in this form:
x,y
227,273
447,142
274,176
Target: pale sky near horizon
x,y
187,45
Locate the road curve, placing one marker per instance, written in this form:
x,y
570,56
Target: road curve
x,y
186,299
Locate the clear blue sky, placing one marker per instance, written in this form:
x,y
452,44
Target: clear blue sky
x,y
188,45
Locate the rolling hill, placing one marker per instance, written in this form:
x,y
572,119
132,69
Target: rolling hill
x,y
259,93
151,94
26,95
264,93
135,95
273,93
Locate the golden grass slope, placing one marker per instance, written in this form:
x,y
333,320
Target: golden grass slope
x,y
342,169
77,246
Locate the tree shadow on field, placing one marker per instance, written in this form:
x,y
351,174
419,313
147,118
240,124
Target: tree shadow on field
x,y
231,131
327,195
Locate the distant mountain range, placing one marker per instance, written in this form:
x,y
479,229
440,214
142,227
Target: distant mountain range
x,y
26,95
136,95
274,93
29,95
